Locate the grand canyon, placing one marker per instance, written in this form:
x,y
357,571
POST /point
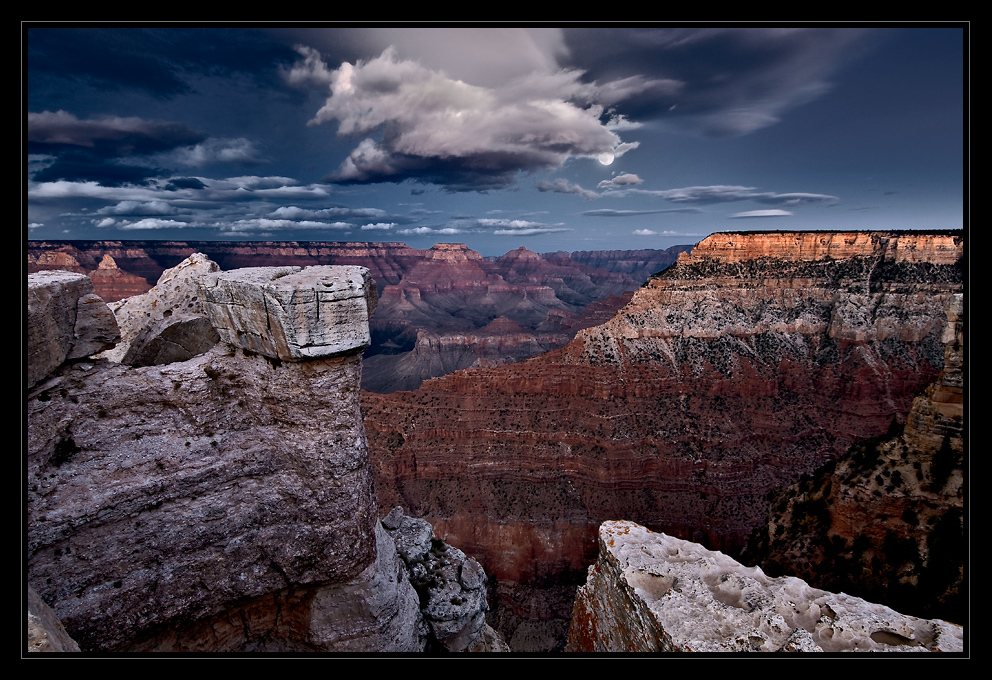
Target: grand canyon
x,y
527,415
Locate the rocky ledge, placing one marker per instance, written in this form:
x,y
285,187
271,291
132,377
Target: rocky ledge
x,y
652,592
223,502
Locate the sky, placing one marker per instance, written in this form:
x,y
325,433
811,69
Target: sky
x,y
575,138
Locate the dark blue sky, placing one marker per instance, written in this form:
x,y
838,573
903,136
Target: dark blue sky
x,y
574,139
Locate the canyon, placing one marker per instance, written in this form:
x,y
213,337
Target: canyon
x,y
440,309
755,359
750,363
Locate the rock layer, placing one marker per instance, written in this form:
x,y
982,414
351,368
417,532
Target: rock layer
x,y
886,521
649,592
718,383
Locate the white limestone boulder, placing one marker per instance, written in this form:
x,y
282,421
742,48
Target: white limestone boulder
x,y
292,314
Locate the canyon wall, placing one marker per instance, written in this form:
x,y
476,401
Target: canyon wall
x,y
225,502
886,521
650,592
723,379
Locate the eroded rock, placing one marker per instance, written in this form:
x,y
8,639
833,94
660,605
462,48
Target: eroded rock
x,y
292,314
452,586
168,323
652,592
66,320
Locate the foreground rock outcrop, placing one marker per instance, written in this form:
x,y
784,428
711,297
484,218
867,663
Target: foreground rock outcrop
x,y
167,323
650,592
752,361
224,502
66,321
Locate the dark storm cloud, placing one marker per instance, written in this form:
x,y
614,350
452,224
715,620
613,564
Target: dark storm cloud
x,y
159,61
110,150
83,166
733,80
56,131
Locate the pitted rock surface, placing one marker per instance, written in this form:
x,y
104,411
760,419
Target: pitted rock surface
x,y
652,592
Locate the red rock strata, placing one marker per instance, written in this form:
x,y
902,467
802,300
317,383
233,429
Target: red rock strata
x,y
750,362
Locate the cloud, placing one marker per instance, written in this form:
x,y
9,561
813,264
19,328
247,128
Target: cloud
x,y
294,212
384,226
727,193
644,232
733,81
422,125
110,150
264,224
608,212
138,208
54,131
762,213
624,180
151,223
563,186
239,150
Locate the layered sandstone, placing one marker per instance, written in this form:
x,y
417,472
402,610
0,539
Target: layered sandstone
x,y
718,383
650,592
66,320
886,521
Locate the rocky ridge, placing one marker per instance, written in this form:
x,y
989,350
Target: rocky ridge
x,y
650,592
223,502
722,380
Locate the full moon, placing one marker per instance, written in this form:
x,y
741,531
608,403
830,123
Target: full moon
x,y
606,158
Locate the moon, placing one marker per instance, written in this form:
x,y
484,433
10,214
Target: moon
x,y
606,158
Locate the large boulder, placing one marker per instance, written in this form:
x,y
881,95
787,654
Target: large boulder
x,y
66,321
292,314
168,323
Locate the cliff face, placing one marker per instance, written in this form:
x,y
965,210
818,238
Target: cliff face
x,y
885,522
223,502
649,592
723,379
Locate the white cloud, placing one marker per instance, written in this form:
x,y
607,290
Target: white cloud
x,y
221,150
563,186
762,213
624,180
448,131
644,232
151,223
138,208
